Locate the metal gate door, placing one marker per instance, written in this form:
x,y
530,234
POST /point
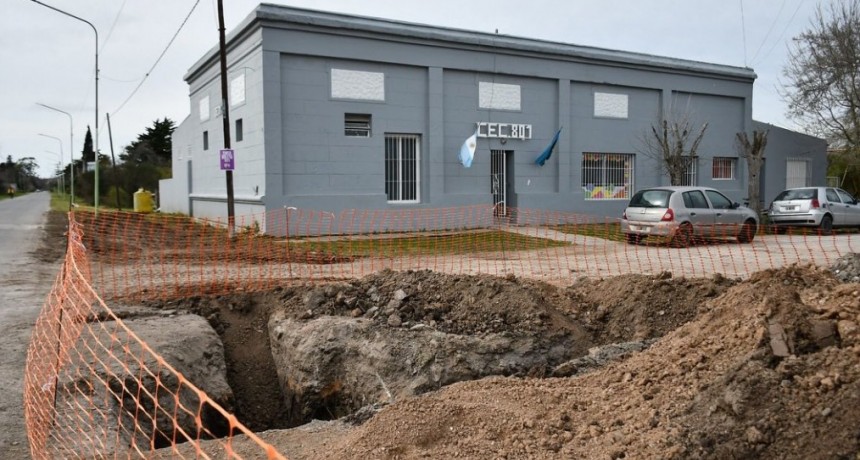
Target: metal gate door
x,y
498,182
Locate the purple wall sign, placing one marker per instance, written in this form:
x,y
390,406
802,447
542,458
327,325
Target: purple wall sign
x,y
228,159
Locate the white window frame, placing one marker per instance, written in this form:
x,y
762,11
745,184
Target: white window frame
x,y
402,171
731,162
601,175
357,124
691,172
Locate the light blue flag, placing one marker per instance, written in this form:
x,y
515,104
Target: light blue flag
x,y
467,151
548,150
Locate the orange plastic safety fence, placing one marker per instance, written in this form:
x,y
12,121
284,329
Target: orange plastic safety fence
x,y
146,257
94,389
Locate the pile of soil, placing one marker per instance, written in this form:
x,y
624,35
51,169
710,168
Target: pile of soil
x,y
604,311
716,387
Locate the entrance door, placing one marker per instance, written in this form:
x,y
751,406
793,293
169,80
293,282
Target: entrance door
x,y
499,181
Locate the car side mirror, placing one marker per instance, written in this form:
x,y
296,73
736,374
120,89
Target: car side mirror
x,y
736,205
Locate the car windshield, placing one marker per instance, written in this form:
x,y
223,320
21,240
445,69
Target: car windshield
x,y
650,199
797,194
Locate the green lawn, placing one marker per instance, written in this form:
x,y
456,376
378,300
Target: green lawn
x,y
609,231
427,244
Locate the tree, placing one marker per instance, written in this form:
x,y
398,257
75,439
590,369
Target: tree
x,y
674,144
153,146
88,154
754,154
823,72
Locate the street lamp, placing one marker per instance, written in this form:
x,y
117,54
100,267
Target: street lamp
x,y
61,183
97,95
71,150
61,149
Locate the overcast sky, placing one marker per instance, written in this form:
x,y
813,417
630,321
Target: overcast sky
x,y
49,58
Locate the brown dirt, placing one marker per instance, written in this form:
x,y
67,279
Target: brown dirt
x,y
465,305
53,245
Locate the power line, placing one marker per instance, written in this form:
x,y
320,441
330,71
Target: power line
x,y
769,30
148,73
784,30
110,31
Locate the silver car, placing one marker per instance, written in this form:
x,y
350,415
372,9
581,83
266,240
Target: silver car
x,y
684,213
822,207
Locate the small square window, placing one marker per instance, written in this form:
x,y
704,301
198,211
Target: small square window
x,y
356,125
205,140
724,168
239,131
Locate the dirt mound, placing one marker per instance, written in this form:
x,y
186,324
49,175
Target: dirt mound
x,y
716,387
761,368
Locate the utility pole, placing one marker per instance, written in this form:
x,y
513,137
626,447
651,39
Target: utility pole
x,y
225,115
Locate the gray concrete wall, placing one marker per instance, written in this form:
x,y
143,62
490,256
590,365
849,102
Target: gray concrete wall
x,y
296,153
208,189
783,145
433,92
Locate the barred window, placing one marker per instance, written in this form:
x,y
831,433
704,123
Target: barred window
x,y
690,173
401,168
724,168
607,176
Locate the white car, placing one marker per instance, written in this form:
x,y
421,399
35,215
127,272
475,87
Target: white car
x,y
823,207
684,213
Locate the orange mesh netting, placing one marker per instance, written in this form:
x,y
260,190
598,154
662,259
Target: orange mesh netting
x,y
95,388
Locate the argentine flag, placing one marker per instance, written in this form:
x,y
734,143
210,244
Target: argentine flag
x,y
540,160
467,151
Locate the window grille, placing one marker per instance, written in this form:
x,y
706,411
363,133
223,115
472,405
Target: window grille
x,y
356,125
796,173
607,176
690,173
402,159
724,168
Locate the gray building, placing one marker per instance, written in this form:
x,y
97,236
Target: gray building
x,y
332,112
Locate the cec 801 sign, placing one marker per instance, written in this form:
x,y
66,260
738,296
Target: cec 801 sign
x,y
228,159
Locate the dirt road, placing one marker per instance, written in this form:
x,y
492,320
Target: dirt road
x,y
25,278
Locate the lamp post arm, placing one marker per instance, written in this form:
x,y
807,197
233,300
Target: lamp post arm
x,y
96,193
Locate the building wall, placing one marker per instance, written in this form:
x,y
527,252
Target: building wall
x,y
784,145
426,81
433,91
199,170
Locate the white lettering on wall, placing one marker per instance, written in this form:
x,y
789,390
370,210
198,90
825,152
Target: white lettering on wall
x,y
504,130
356,84
498,96
610,105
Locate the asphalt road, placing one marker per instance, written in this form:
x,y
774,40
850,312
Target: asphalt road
x,y
24,285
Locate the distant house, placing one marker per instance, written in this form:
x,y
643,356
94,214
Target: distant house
x,y
333,112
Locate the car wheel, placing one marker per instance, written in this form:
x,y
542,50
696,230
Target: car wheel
x,y
747,233
826,225
683,237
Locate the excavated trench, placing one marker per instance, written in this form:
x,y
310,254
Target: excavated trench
x,y
543,331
